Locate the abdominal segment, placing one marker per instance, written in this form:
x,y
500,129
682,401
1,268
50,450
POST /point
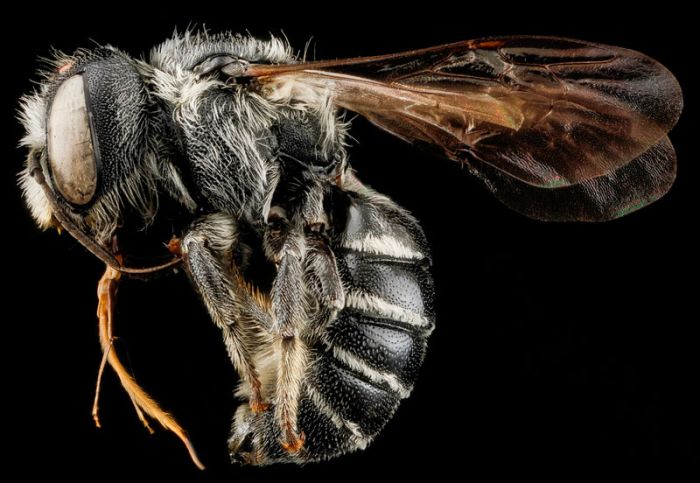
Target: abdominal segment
x,y
361,360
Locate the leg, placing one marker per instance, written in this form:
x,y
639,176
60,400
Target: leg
x,y
284,245
236,309
322,271
307,274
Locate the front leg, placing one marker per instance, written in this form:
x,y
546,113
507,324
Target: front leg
x,y
236,309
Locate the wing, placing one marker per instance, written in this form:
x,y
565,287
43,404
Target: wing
x,y
527,113
640,182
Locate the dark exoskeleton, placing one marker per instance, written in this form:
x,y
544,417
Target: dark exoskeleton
x,y
319,284
340,339
326,347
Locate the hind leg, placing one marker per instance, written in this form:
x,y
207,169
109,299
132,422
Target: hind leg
x,y
285,247
307,276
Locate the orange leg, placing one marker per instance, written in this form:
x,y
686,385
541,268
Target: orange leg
x,y
144,404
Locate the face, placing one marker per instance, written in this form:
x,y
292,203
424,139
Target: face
x,y
88,133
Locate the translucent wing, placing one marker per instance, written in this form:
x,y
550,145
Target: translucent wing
x,y
640,182
545,112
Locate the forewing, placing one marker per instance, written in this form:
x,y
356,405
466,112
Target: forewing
x,y
548,112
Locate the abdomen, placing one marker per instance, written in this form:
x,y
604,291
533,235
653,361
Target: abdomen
x,y
366,358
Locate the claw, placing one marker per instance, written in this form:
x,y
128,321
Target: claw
x,y
258,405
175,246
295,443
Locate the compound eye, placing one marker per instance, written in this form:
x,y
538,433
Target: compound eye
x,y
72,158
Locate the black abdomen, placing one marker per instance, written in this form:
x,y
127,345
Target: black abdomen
x,y
367,358
364,359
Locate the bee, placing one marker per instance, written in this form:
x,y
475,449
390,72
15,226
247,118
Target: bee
x,y
320,285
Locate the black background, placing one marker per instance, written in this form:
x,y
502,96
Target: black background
x,y
555,342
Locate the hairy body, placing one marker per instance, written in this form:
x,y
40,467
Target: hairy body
x,y
248,143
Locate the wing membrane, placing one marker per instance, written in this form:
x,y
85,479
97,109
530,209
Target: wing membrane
x,y
549,112
631,187
528,113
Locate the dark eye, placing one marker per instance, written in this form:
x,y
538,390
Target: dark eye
x,y
71,153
